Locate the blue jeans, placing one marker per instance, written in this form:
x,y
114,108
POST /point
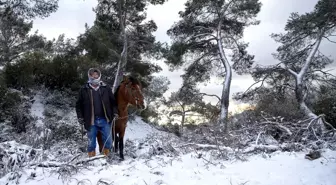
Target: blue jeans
x,y
100,125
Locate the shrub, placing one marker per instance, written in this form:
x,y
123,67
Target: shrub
x,y
19,75
274,105
9,102
59,72
238,121
326,103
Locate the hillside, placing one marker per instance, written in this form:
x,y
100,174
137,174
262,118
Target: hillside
x,y
155,157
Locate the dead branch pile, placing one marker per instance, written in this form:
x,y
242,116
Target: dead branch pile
x,y
155,144
269,134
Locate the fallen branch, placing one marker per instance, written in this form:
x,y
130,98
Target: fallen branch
x,y
262,132
48,165
75,158
278,125
56,165
90,159
103,182
206,146
333,130
265,148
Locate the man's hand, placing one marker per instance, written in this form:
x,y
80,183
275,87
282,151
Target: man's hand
x,y
116,116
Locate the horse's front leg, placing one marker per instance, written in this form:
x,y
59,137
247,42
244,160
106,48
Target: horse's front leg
x,y
116,144
121,141
121,148
115,139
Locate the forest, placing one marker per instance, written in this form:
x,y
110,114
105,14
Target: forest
x,y
292,102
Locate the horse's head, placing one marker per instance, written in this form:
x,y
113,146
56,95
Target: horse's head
x,y
132,90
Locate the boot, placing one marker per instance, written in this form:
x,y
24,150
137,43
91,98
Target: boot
x,y
92,154
106,152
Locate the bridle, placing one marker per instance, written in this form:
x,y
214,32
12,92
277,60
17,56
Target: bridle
x,y
132,92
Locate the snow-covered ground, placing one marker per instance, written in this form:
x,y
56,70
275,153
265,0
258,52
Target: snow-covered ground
x,y
37,109
137,130
276,169
279,168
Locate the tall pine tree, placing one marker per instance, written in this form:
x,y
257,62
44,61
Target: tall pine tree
x,y
121,40
208,33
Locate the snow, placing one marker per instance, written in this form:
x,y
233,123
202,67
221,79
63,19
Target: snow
x,y
278,168
138,129
37,109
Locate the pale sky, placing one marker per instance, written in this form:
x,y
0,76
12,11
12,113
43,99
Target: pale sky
x,y
73,14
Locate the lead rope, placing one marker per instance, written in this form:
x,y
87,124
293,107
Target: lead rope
x,y
114,122
114,134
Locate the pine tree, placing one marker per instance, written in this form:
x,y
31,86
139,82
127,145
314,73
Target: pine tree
x,y
210,34
121,39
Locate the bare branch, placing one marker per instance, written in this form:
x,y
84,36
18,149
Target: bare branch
x,y
299,53
212,95
227,6
291,71
212,37
330,40
323,72
262,83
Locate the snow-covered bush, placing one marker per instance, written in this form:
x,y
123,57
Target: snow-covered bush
x,y
326,103
60,99
8,102
60,119
63,131
286,107
14,117
14,156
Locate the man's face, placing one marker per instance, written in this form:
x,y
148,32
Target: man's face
x,y
95,75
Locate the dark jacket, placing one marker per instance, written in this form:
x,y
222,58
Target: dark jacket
x,y
84,104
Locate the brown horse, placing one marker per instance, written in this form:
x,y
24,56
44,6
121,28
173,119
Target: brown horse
x,y
128,93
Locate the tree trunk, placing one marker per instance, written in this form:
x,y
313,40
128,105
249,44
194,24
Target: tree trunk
x,y
223,119
123,56
299,89
300,97
182,122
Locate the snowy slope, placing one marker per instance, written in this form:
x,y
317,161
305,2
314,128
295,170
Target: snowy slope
x,y
138,129
279,168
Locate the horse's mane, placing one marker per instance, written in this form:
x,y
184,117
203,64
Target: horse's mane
x,y
116,92
134,80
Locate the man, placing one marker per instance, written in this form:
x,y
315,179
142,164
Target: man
x,y
96,108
